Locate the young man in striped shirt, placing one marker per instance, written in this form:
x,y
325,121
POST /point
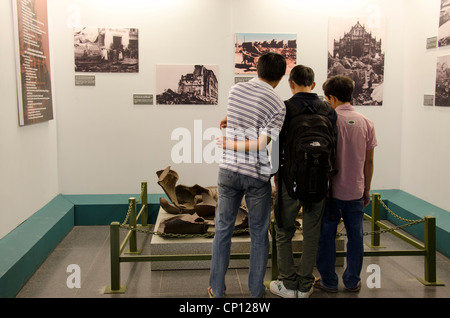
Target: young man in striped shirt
x,y
255,116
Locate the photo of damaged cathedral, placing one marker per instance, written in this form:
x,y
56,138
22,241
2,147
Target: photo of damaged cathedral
x,y
197,87
359,55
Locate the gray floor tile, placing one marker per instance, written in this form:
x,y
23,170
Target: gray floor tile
x,y
88,247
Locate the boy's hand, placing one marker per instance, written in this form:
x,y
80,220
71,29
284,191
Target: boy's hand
x,y
223,123
221,142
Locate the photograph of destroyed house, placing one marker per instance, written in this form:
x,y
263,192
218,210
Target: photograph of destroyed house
x,y
442,97
444,24
356,49
250,46
106,50
187,84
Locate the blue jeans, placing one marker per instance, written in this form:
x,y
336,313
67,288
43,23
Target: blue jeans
x,y
352,213
231,189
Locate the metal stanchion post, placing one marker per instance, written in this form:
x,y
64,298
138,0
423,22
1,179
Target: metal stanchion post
x,y
115,261
144,201
430,256
133,222
375,237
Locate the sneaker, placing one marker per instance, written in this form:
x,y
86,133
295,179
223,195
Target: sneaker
x,y
305,294
277,288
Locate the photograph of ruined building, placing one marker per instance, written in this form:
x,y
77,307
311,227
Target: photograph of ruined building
x,y
187,84
355,49
444,24
250,46
106,50
442,97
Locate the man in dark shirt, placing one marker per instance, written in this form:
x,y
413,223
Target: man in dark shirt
x,y
298,281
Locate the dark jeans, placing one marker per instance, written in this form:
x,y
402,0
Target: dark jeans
x,y
298,277
352,213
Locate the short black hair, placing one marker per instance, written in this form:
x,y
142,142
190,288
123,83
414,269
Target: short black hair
x,y
302,75
340,87
271,66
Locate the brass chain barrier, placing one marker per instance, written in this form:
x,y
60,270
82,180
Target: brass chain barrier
x,y
124,225
246,230
400,227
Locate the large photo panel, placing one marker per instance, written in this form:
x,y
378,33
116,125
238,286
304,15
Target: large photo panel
x,y
442,81
187,84
356,49
250,46
444,24
106,50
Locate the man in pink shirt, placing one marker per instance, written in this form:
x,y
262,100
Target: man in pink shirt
x,y
351,186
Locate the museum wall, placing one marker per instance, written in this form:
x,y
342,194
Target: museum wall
x,y
102,143
28,155
425,144
108,145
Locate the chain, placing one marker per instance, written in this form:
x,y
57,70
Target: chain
x,y
400,227
408,224
178,235
397,216
124,225
246,230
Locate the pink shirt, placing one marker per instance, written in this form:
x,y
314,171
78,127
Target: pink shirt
x,y
356,135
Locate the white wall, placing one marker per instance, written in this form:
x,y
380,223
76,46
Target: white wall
x,y
28,155
101,143
425,169
108,145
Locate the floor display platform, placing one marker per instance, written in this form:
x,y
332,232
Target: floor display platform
x,y
160,245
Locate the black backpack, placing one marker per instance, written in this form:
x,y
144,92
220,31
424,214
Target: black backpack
x,y
309,152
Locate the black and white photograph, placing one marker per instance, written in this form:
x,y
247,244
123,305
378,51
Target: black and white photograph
x,y
187,84
442,94
356,49
106,50
250,46
444,24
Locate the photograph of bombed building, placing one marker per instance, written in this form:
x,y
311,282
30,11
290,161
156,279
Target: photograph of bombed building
x,y
356,49
250,46
444,24
442,94
106,50
187,84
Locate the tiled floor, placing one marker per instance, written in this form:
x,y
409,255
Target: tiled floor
x,y
88,247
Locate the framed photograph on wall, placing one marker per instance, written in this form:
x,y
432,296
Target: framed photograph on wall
x,y
444,24
356,49
106,50
187,84
442,93
250,46
34,85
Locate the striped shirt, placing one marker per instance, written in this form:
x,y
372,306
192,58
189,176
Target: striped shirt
x,y
253,108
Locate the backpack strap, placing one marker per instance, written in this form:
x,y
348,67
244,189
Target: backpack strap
x,y
324,108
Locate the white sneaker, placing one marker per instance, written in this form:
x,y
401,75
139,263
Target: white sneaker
x,y
305,294
277,288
